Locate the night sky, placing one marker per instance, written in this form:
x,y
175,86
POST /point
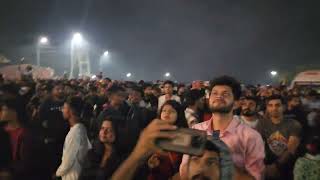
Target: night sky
x,y
192,39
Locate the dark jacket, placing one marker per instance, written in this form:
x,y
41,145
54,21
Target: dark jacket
x,y
91,169
5,150
52,130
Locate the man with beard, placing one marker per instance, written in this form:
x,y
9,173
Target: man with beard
x,y
281,137
245,143
249,115
150,100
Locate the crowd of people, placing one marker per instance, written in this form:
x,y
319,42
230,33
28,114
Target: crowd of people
x,y
106,129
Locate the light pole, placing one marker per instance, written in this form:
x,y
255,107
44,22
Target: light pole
x,y
42,41
274,73
79,56
128,75
167,75
104,56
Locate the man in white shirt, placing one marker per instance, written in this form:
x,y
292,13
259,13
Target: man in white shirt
x,y
168,94
249,115
76,144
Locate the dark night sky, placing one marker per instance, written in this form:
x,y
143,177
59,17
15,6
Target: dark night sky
x,y
192,39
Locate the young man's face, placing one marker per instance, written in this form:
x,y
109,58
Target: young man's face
x,y
168,89
148,91
248,107
118,97
294,102
181,90
58,91
205,167
221,99
66,111
275,108
106,133
135,97
200,103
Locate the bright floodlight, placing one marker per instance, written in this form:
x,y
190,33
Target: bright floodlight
x,y
128,75
106,53
77,38
43,40
273,73
167,74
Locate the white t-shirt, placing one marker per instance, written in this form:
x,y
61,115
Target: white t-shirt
x,y
75,148
162,100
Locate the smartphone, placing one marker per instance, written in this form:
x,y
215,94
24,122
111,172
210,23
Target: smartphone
x,y
187,141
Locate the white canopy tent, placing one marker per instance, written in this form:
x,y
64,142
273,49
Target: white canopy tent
x,y
305,78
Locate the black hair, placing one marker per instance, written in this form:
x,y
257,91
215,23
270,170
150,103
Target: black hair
x,y
228,81
168,82
115,89
146,85
76,104
108,79
137,89
180,86
289,98
181,119
275,97
14,103
10,88
252,98
192,96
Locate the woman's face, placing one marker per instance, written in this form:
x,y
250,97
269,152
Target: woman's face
x,y
106,133
168,113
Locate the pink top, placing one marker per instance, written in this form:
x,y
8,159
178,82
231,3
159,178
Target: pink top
x,y
245,144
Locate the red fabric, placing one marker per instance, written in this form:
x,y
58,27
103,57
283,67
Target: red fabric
x,y
15,139
207,116
169,165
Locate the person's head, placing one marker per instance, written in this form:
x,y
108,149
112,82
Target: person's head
x,y
107,133
12,110
195,98
9,90
313,145
206,166
135,95
225,91
147,89
172,111
156,91
168,87
249,106
58,91
116,95
73,107
181,89
293,101
275,107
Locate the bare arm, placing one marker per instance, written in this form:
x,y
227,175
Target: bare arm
x,y
143,149
128,168
293,144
